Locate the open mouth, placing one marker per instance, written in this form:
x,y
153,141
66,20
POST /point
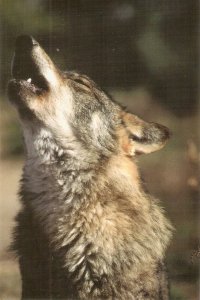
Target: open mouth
x,y
35,83
27,68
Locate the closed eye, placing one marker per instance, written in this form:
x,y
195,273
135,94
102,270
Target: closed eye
x,y
78,80
84,84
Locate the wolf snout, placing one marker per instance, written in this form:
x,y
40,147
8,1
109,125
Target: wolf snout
x,y
26,60
25,42
32,68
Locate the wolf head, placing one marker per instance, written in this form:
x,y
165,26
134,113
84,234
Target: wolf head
x,y
70,110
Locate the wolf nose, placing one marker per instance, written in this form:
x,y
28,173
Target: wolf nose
x,y
25,42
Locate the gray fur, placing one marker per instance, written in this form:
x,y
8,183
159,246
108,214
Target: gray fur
x,y
87,229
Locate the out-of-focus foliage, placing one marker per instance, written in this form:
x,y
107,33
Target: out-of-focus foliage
x,y
118,43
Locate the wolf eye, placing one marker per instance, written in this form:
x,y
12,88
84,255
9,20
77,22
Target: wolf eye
x,y
82,84
79,81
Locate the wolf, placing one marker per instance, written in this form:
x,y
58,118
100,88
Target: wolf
x,y
87,228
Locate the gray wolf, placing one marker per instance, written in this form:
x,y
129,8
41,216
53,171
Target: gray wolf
x,y
87,228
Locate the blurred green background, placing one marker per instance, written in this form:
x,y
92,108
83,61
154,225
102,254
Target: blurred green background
x,y
145,54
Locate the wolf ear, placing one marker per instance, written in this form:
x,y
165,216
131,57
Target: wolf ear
x,y
142,137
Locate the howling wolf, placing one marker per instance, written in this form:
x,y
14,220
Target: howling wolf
x,y
87,228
